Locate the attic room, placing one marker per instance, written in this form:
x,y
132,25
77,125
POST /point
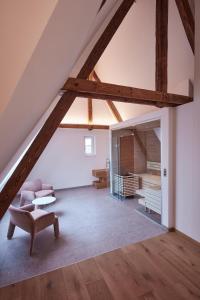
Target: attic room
x,y
99,149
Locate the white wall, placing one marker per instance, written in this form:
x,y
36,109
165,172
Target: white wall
x,y
64,164
188,153
180,55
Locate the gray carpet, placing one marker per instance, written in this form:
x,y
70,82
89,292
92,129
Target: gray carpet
x,y
91,223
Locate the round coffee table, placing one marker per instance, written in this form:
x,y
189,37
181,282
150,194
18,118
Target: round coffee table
x,y
43,201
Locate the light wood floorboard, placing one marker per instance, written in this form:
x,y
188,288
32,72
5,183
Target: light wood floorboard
x,y
162,268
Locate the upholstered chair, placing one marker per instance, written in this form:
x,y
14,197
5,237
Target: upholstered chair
x,y
32,221
26,197
35,189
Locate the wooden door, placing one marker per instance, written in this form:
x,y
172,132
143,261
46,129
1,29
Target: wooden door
x,y
126,155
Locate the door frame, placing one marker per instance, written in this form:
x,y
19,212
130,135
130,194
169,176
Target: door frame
x,y
167,124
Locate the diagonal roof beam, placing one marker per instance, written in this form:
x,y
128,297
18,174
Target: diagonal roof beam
x,y
187,20
161,45
114,110
33,153
110,103
101,90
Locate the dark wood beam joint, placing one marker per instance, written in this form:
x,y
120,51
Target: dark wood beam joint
x,y
187,20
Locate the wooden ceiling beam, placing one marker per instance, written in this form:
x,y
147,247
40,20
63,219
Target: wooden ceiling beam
x,y
101,90
43,137
187,20
84,126
110,103
161,45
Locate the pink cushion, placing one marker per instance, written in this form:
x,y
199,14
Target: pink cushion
x,y
43,193
38,213
34,186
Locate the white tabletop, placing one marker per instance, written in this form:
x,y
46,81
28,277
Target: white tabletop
x,y
44,200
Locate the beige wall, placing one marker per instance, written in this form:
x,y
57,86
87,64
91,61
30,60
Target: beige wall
x,y
65,164
22,23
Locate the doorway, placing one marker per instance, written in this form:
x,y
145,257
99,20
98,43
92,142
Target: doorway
x,y
153,170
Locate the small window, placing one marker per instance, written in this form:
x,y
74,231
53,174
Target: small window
x,y
89,144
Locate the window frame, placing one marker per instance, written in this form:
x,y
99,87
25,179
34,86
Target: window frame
x,y
93,145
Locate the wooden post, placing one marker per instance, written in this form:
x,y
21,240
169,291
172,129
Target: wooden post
x,y
90,109
161,44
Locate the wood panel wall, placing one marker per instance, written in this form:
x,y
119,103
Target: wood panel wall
x,y
153,147
126,155
132,158
139,156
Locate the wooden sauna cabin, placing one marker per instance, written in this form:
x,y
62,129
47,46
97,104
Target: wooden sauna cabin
x,y
150,188
136,161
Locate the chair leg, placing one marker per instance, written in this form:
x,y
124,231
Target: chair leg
x,y
56,228
11,230
32,241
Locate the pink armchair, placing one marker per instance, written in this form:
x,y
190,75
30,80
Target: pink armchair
x,y
32,221
35,189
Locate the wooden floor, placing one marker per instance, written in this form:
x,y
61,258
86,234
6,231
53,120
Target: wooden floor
x,y
166,267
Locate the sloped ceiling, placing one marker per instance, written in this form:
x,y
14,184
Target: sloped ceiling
x,y
129,60
60,44
22,24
